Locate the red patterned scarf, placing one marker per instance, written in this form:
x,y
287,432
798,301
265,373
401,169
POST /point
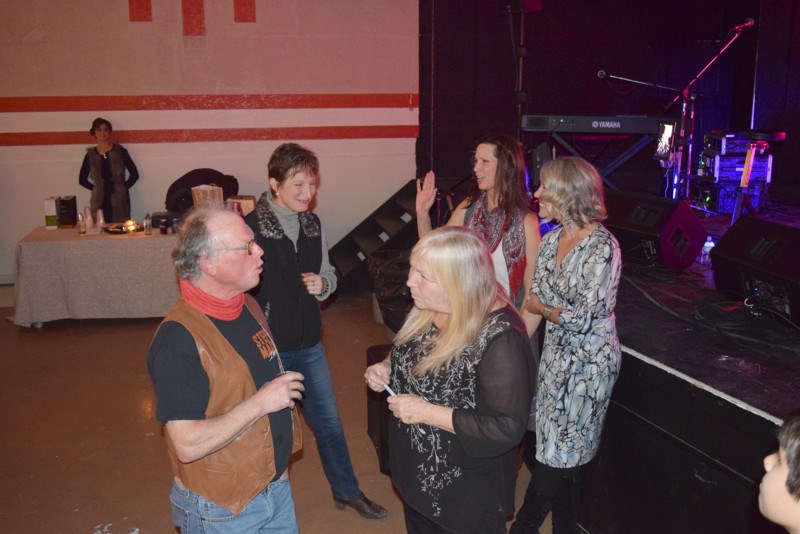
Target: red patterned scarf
x,y
500,228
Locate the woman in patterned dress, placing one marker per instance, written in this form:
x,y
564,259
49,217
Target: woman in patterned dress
x,y
575,289
461,368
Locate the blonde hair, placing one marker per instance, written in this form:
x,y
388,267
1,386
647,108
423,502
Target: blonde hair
x,y
573,190
459,261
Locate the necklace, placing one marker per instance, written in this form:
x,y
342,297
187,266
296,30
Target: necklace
x,y
104,153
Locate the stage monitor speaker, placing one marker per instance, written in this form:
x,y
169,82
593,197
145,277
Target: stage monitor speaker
x,y
654,229
756,261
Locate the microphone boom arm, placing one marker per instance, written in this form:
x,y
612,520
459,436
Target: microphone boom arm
x,y
684,93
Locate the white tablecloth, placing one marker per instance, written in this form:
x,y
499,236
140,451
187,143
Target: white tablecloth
x,y
60,275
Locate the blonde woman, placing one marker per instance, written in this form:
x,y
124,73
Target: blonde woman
x,y
574,289
461,369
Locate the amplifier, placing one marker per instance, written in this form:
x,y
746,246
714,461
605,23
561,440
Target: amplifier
x,y
726,196
728,143
732,167
720,144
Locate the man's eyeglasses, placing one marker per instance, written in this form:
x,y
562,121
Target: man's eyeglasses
x,y
248,247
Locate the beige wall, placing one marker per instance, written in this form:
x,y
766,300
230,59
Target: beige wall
x,y
308,48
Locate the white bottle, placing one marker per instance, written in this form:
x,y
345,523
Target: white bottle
x,y
706,254
81,224
148,224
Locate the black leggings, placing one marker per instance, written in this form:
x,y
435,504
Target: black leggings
x,y
551,488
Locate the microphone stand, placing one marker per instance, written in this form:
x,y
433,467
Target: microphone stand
x,y
687,97
686,112
520,54
639,82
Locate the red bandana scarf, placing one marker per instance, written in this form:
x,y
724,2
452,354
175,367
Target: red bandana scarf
x,y
226,310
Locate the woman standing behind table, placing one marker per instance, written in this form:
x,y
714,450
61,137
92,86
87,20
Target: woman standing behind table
x,y
461,368
103,173
297,276
499,211
575,289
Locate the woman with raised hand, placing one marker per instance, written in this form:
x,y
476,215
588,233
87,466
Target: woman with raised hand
x,y
499,211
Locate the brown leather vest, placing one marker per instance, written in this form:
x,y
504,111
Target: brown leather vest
x,y
233,475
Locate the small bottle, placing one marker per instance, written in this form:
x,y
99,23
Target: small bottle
x,y
148,224
81,224
706,254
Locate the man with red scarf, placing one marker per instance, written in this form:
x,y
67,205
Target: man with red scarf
x,y
223,396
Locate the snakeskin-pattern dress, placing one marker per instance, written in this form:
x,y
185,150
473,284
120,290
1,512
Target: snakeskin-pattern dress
x,y
581,355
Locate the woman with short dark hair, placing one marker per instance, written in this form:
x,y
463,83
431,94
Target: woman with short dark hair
x,y
297,277
103,172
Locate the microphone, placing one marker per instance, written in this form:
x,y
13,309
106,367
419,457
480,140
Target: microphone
x,y
749,22
601,74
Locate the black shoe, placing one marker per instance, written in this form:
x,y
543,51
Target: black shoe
x,y
363,506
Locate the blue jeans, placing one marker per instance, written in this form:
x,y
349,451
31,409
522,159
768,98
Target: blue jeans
x,y
319,409
272,510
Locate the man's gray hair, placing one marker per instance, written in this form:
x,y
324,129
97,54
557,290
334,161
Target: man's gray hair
x,y
194,241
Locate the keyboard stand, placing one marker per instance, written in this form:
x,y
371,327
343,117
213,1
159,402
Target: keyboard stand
x,y
605,171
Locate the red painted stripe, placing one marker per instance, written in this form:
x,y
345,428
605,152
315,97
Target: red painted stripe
x,y
140,10
194,17
244,10
212,135
23,104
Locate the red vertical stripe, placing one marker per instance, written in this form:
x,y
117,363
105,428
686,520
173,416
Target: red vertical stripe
x,y
244,10
194,18
140,10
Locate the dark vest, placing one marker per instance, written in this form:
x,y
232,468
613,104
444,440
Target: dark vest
x,y
294,316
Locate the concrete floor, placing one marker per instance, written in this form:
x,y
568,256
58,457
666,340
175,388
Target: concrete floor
x,y
80,451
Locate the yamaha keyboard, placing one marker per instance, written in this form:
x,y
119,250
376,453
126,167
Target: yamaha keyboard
x,y
582,124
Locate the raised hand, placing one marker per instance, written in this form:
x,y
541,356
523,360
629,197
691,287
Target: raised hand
x,y
426,193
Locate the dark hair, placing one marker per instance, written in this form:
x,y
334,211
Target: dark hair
x,y
289,159
97,122
789,440
510,178
194,240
